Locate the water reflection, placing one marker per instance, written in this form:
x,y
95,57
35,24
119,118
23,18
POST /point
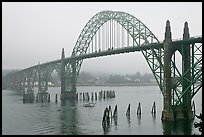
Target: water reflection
x,y
115,119
106,129
179,127
139,119
154,119
68,118
128,120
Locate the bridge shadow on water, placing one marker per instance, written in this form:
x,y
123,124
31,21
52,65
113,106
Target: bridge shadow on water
x,y
179,127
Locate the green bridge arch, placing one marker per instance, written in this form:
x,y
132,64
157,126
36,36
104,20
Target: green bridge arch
x,y
140,33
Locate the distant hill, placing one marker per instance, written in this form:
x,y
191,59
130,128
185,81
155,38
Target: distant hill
x,y
6,71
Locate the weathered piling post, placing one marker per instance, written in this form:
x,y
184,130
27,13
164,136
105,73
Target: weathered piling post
x,y
87,96
56,98
153,109
24,98
105,120
110,111
83,96
80,96
128,111
115,113
100,95
36,98
92,96
139,109
113,94
95,95
107,94
48,98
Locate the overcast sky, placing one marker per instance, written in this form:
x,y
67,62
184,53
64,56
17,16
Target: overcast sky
x,y
37,31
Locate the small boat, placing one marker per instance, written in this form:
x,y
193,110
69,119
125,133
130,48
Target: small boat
x,y
89,105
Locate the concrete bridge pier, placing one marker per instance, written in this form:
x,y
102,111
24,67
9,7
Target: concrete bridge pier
x,y
182,110
62,76
68,91
28,96
42,96
167,113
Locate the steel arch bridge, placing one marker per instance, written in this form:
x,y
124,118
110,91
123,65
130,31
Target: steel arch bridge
x,y
116,32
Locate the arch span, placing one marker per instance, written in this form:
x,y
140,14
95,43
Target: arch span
x,y
136,29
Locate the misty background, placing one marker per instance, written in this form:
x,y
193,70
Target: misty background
x,y
35,32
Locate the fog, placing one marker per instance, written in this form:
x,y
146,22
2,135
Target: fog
x,y
35,32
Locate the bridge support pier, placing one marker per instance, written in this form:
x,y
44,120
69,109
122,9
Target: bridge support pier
x,y
62,76
176,108
68,84
28,96
167,113
42,96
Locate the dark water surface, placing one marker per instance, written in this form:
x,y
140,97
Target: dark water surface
x,y
74,118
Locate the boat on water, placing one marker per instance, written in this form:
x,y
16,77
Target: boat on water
x,y
89,104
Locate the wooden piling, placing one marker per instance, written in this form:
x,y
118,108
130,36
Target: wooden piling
x,y
139,109
92,96
104,94
105,120
83,96
36,98
24,98
80,96
110,111
48,98
107,94
107,116
128,110
56,98
115,111
95,95
87,96
100,95
153,109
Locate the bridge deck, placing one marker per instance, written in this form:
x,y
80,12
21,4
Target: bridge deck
x,y
118,51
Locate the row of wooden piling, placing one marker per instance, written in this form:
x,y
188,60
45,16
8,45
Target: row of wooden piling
x,y
107,115
139,110
42,98
102,94
81,96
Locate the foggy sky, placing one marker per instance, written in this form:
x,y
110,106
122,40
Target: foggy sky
x,y
35,32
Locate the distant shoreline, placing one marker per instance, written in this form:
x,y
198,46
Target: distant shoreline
x,y
141,84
